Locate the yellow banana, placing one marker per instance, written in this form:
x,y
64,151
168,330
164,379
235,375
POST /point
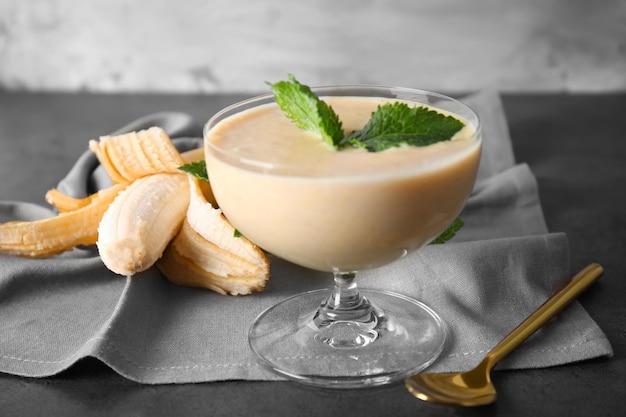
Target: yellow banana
x,y
137,154
153,214
141,221
206,253
58,234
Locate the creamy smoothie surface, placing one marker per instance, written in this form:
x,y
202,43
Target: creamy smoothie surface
x,y
264,139
328,209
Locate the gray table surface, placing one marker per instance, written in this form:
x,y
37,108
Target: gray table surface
x,y
575,145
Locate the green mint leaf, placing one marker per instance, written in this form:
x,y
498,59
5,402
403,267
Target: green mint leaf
x,y
307,111
396,124
237,233
449,233
197,169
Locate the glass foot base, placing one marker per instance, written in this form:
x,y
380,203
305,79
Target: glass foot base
x,y
402,337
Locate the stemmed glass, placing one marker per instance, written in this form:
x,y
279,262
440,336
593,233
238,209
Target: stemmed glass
x,y
344,221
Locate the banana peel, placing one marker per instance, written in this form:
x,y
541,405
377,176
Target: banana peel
x,y
54,235
154,214
133,155
64,203
206,253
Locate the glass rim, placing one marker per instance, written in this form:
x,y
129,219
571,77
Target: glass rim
x,y
368,90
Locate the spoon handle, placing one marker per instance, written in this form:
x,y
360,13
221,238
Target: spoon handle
x,y
543,314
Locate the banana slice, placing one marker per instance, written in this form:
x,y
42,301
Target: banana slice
x,y
54,235
141,221
137,154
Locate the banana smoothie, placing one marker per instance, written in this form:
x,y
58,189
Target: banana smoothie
x,y
335,210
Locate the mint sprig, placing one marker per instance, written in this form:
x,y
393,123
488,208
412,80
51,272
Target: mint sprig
x,y
391,125
307,111
396,124
197,169
449,233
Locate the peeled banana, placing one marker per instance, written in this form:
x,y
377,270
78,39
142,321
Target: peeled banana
x,y
153,214
141,221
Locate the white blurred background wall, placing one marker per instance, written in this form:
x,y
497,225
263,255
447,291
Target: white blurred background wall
x,y
235,45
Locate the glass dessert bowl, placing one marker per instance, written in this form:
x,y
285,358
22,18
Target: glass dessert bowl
x,y
341,211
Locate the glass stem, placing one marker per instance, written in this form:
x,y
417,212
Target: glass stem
x,y
345,319
345,302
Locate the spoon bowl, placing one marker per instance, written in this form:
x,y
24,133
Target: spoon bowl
x,y
474,387
469,388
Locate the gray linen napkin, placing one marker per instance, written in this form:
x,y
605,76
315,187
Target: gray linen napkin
x,y
501,266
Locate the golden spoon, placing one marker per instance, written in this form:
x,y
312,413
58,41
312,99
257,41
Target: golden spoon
x,y
474,387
